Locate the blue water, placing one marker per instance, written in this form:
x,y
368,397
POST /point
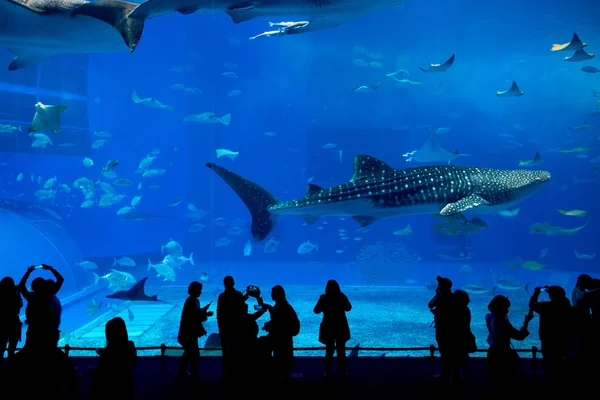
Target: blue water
x,y
301,88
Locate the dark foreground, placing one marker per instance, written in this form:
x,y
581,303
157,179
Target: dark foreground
x,y
369,378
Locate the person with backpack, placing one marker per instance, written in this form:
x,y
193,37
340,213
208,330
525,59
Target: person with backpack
x,y
282,328
334,330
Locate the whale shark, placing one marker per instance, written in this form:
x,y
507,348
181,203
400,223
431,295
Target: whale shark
x,y
432,151
323,14
377,191
35,30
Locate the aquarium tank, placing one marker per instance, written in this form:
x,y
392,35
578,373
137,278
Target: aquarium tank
x,y
380,147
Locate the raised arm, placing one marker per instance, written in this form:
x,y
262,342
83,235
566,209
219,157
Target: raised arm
x,y
533,301
22,286
59,278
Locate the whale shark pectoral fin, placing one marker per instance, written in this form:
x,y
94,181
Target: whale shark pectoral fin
x,y
464,204
26,58
364,221
243,12
117,14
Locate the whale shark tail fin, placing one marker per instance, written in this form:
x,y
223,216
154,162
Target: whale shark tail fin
x,y
117,14
257,199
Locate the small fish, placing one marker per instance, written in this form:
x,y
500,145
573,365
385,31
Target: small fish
x,y
228,153
130,314
247,249
533,265
87,265
509,213
583,256
574,213
124,261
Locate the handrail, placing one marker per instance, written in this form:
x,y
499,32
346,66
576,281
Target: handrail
x,y
432,349
68,348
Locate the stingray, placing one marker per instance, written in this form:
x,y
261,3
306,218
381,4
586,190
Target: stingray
x,y
537,160
150,102
514,91
575,44
439,67
580,55
432,151
46,118
136,293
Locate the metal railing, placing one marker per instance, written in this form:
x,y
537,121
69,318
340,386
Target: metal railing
x,y
431,349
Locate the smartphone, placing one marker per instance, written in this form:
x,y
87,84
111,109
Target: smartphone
x,y
38,267
252,288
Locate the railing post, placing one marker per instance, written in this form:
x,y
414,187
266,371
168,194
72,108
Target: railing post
x,y
67,349
534,351
163,357
432,359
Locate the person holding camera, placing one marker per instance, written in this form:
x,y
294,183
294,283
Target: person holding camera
x,y
43,310
190,329
556,326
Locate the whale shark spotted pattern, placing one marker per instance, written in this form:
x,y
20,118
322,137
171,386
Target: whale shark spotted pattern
x,y
378,191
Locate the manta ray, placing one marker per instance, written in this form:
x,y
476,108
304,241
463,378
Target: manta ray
x,y
35,30
136,293
432,151
377,191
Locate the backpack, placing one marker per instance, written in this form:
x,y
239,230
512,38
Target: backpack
x,y
294,322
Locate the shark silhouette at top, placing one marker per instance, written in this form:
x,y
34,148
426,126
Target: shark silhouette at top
x,y
378,191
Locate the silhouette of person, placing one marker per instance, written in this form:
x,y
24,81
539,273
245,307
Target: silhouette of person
x,y
282,328
461,338
248,345
116,363
42,373
334,330
556,323
10,324
502,358
231,311
582,298
43,308
190,329
441,307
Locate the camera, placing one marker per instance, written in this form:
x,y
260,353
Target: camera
x,y
253,291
